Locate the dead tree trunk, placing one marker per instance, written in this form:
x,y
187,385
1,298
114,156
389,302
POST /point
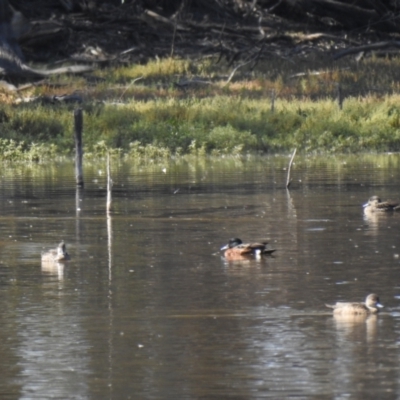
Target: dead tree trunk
x,y
11,58
7,37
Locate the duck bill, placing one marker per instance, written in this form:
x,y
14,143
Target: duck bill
x,y
379,305
226,247
365,205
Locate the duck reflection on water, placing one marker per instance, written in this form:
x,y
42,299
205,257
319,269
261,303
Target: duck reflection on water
x,y
54,268
357,327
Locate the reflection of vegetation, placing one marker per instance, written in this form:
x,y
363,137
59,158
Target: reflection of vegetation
x,y
198,168
152,118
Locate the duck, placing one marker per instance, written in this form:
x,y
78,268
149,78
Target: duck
x,y
371,306
236,249
375,204
56,255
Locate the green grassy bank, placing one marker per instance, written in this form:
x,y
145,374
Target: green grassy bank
x,y
175,107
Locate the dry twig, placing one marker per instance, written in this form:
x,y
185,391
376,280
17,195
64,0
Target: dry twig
x,y
288,181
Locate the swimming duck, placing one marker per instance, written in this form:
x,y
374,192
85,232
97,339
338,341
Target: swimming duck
x,y
236,249
371,306
56,255
376,204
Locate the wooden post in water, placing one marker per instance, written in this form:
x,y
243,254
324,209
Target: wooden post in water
x,y
109,221
78,126
273,101
288,181
109,184
340,96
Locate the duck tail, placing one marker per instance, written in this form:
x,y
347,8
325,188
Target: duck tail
x,y
269,251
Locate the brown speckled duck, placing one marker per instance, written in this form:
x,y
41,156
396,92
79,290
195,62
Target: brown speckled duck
x,y
56,255
375,204
371,306
236,249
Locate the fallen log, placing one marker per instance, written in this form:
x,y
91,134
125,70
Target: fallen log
x,y
367,47
346,14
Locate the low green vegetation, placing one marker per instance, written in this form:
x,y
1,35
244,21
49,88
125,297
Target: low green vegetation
x,y
177,107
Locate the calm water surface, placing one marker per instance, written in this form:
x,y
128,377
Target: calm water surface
x,y
148,309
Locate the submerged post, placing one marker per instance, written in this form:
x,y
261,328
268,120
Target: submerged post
x,y
109,184
78,126
288,181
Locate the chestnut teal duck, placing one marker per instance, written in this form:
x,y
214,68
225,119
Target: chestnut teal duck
x,y
236,249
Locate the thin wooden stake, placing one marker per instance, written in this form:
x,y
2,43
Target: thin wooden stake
x,y
109,184
78,126
273,101
109,246
340,96
173,39
288,181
